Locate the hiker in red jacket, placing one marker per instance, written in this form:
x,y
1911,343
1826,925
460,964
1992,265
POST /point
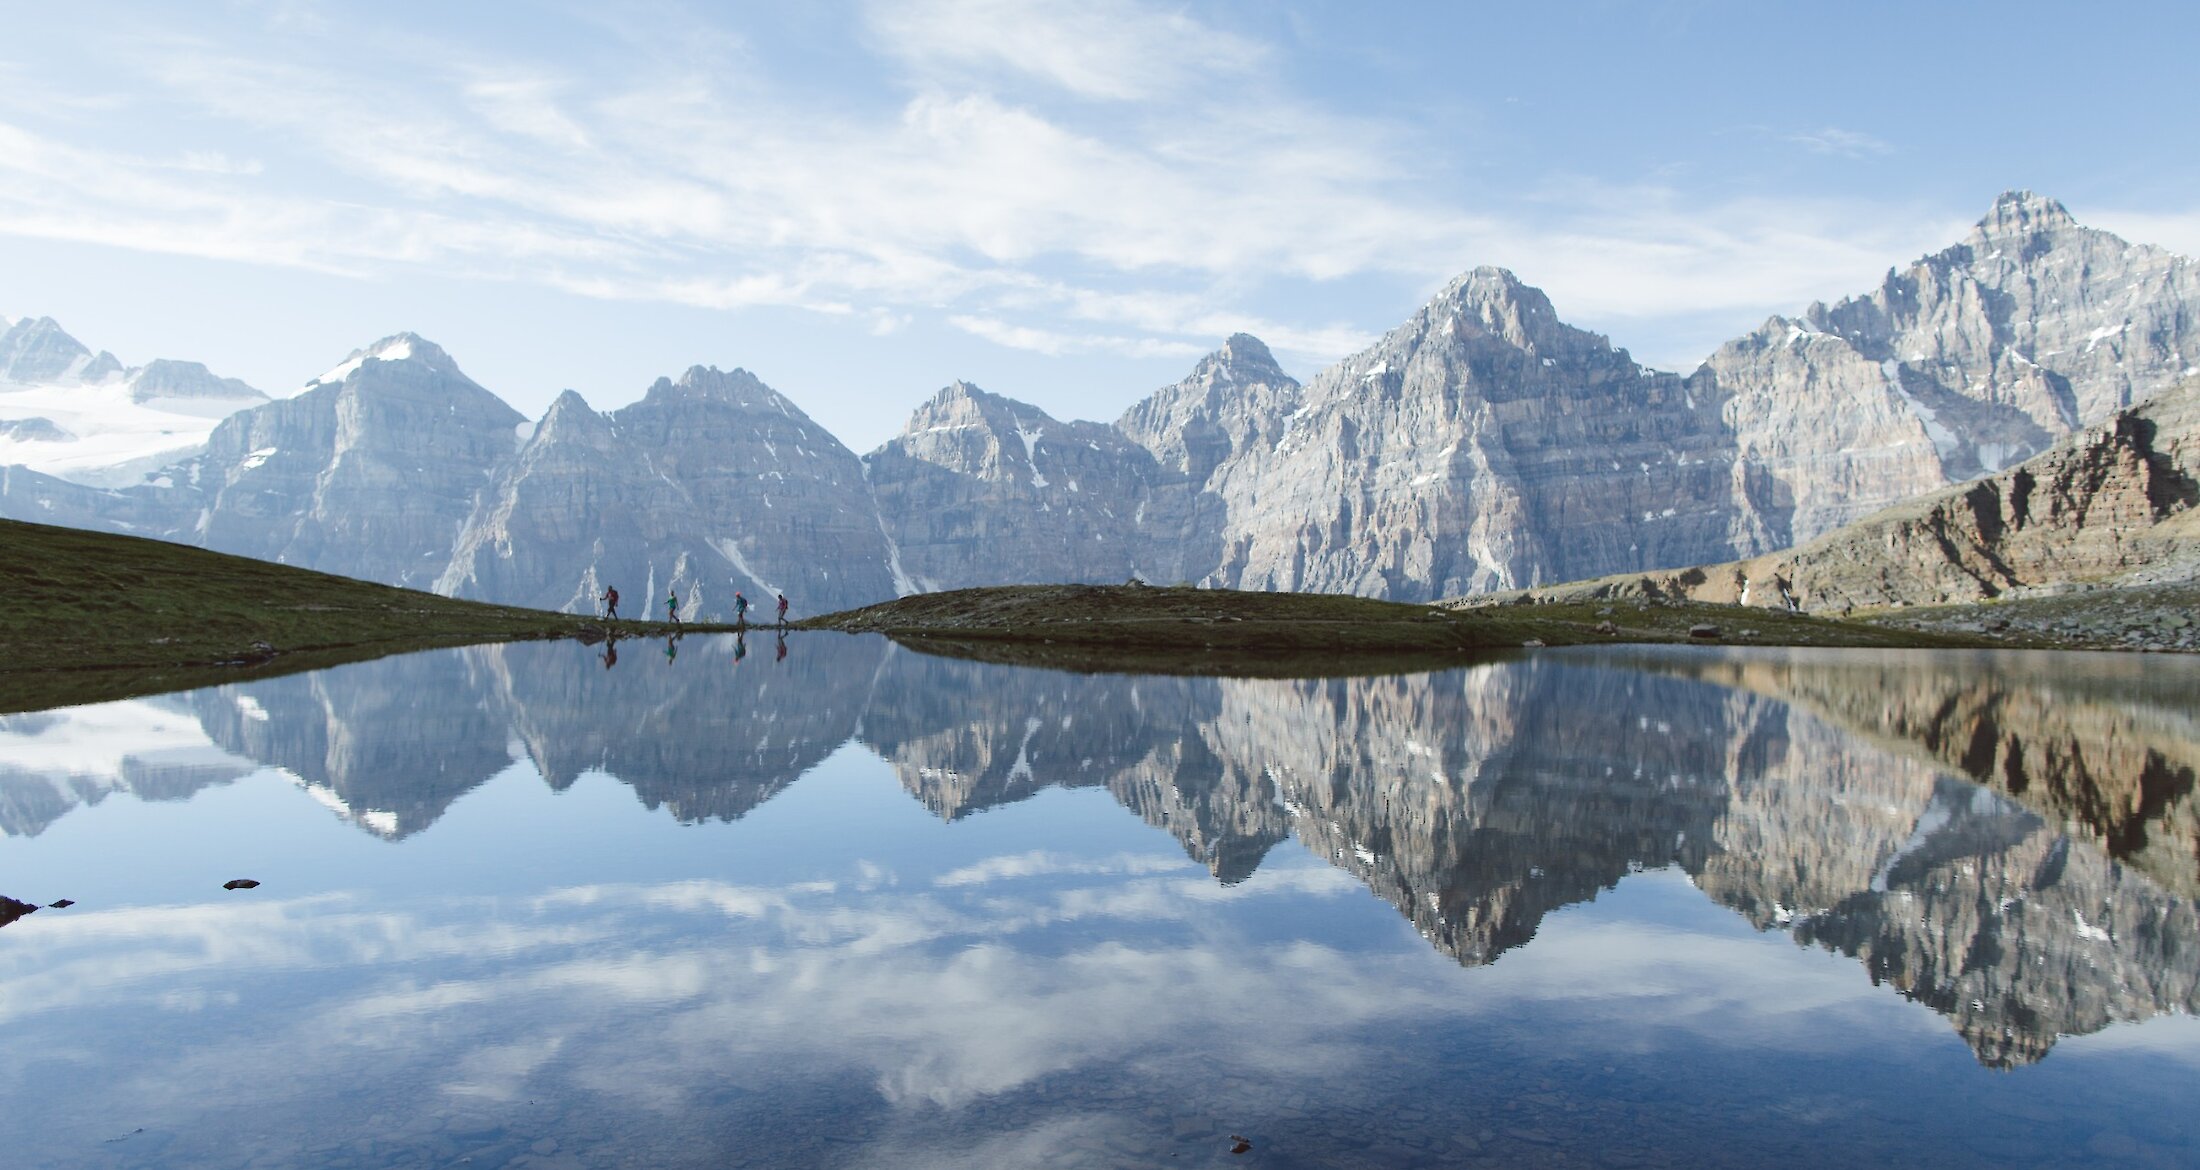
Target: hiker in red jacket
x,y
782,609
611,603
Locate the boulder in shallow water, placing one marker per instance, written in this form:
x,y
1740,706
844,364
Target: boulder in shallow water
x,y
240,884
10,910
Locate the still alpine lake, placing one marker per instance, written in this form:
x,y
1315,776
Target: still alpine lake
x,y
830,902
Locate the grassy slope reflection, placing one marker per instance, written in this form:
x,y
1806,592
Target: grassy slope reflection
x,y
1475,801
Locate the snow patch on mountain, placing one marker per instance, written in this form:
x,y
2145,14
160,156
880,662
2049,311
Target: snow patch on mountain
x,y
100,434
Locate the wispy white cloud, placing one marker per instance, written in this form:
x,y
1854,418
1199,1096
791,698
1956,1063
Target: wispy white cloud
x,y
1116,178
1055,344
1834,140
1111,49
1040,863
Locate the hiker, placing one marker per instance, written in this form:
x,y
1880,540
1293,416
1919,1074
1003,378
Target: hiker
x,y
672,605
740,609
611,603
782,609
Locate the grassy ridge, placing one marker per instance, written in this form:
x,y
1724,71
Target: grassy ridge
x,y
1209,631
90,616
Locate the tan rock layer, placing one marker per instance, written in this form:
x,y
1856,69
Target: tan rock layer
x,y
2113,503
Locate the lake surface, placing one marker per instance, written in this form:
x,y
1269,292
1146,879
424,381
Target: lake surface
x,y
712,905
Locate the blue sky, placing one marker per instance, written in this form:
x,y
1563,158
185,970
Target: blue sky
x,y
1066,203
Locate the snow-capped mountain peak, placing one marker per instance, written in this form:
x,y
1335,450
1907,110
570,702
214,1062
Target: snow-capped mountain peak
x,y
79,415
397,347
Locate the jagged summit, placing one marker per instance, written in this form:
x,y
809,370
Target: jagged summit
x,y
709,384
38,349
961,403
164,378
2018,213
1496,302
1244,357
397,347
569,415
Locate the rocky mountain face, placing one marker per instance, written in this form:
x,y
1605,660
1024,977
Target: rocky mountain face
x,y
707,486
981,488
1965,363
163,378
1481,445
369,472
2049,895
2113,504
36,350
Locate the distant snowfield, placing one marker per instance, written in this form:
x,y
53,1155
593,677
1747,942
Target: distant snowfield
x,y
98,435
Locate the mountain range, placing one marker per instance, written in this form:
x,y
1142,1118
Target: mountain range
x,y
1482,445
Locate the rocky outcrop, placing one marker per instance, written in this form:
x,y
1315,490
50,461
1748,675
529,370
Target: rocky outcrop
x,y
2112,504
1965,363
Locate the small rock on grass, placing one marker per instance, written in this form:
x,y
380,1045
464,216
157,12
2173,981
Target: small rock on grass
x,y
240,884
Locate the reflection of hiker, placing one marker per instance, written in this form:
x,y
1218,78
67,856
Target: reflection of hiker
x,y
740,609
672,648
610,653
672,606
782,609
611,603
740,647
782,655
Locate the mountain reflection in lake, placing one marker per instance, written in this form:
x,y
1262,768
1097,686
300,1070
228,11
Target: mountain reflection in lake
x,y
1643,908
